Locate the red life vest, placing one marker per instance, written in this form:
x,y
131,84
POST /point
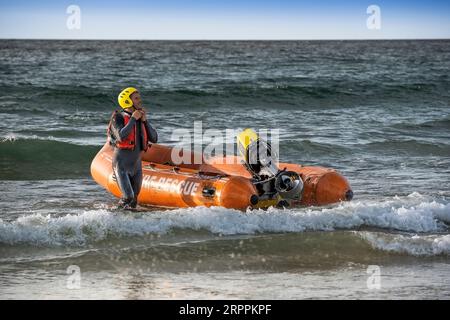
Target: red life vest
x,y
129,142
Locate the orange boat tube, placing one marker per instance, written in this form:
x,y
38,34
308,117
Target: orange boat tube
x,y
215,182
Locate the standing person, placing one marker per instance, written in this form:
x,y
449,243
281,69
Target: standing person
x,y
130,133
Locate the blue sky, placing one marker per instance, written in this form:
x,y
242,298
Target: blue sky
x,y
232,19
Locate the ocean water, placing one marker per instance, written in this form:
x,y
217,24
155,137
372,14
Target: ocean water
x,y
377,111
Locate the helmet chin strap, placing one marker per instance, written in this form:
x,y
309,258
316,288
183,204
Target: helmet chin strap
x,y
129,110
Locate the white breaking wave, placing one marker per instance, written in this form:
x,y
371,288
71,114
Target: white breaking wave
x,y
413,213
8,138
12,137
417,245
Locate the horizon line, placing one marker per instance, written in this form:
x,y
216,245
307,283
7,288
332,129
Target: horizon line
x,y
231,39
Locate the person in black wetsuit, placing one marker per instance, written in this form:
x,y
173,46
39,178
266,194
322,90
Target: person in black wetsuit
x,y
130,133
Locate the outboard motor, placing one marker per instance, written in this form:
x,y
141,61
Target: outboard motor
x,y
276,187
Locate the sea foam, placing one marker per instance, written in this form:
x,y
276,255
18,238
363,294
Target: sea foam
x,y
413,213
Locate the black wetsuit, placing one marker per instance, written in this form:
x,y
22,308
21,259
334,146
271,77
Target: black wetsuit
x,y
127,163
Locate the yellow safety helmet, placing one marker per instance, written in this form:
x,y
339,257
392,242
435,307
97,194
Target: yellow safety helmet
x,y
124,97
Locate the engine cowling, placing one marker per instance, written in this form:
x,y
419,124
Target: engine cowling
x,y
260,160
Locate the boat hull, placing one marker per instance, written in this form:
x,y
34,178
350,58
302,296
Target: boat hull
x,y
221,181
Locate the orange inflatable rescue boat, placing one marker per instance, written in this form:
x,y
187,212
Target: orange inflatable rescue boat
x,y
252,180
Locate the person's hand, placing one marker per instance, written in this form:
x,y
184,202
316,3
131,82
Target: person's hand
x,y
137,114
144,115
